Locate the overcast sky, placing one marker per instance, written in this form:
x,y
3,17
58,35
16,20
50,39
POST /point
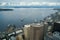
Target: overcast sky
x,y
29,0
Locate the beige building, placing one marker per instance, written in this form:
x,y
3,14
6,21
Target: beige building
x,y
33,31
19,37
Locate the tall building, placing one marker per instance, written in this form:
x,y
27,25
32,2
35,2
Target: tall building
x,y
33,31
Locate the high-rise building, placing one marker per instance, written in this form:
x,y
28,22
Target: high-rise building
x,y
33,31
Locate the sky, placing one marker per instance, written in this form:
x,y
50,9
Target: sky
x,y
29,0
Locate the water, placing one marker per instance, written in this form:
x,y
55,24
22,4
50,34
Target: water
x,y
22,16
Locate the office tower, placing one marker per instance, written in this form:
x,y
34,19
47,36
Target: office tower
x,y
33,31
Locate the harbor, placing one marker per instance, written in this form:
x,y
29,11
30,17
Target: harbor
x,y
29,20
47,28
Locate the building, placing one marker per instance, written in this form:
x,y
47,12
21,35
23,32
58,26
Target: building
x,y
33,31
